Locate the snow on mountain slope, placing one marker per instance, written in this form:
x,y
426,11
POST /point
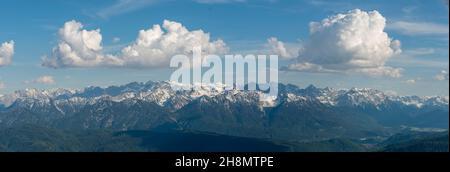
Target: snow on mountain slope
x,y
162,94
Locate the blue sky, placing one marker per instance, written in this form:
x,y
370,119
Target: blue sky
x,y
245,26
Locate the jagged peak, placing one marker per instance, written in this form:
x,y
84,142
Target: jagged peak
x,y
163,93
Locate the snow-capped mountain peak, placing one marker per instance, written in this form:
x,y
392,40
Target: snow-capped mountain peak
x,y
163,94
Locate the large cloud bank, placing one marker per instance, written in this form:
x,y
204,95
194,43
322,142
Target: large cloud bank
x,y
353,42
153,47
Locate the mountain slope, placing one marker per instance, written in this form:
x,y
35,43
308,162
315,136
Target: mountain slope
x,y
310,114
32,138
417,142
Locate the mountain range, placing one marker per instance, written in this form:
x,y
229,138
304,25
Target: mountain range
x,y
298,114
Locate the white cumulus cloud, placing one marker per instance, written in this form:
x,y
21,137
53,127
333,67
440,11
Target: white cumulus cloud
x,y
153,47
280,48
79,48
442,76
411,81
46,79
353,42
6,53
